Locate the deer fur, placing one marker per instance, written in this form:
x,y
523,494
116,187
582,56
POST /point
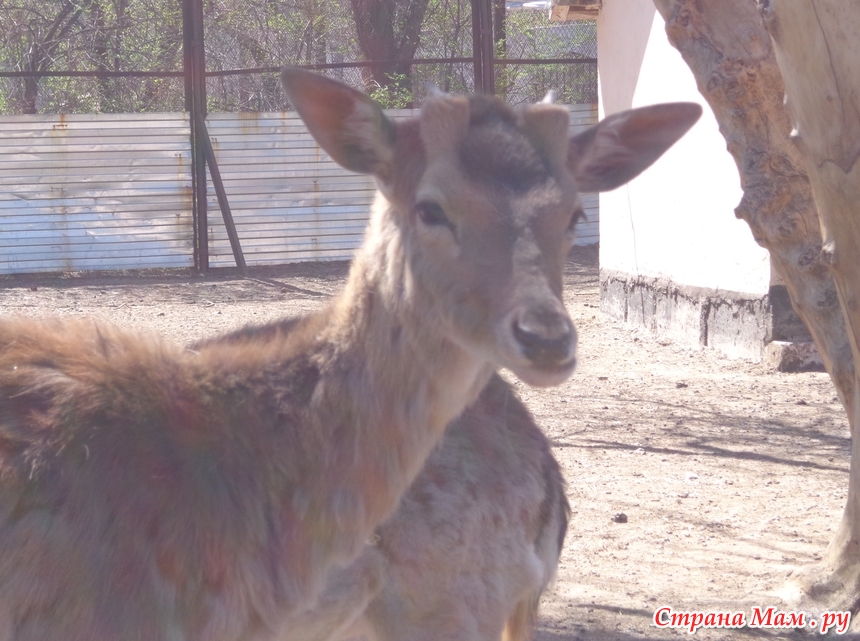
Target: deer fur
x,y
150,493
472,545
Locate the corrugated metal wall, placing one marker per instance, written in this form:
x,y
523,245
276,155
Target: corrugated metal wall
x,y
292,203
83,192
588,231
89,192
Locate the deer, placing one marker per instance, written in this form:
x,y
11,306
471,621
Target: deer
x,y
150,493
473,543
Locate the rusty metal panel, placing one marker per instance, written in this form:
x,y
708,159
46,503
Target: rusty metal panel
x,y
291,202
105,191
85,192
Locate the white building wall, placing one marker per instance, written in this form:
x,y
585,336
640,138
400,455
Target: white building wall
x,y
676,221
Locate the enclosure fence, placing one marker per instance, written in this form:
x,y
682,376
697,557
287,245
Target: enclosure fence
x,y
113,191
78,185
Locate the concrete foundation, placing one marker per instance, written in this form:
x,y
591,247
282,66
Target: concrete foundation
x,y
736,324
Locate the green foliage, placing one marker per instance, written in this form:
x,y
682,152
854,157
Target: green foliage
x,y
5,91
531,35
396,95
91,35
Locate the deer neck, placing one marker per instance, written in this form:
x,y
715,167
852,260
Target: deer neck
x,y
389,383
416,378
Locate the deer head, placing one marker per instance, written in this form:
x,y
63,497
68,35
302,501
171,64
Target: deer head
x,y
480,204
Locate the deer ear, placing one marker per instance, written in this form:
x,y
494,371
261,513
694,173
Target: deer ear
x,y
346,123
622,146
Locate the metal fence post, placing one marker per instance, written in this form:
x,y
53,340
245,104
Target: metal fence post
x,y
482,45
194,67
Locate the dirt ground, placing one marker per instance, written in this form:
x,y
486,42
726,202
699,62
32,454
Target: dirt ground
x,y
729,475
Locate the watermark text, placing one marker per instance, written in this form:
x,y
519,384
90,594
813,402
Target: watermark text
x,y
769,618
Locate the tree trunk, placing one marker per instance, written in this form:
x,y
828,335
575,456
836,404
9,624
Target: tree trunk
x,y
727,46
42,52
105,86
499,27
31,94
817,51
389,31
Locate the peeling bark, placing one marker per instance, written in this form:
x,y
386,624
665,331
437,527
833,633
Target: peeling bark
x,y
817,51
727,45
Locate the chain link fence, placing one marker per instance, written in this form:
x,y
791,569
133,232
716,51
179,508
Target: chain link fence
x,y
135,45
531,36
137,48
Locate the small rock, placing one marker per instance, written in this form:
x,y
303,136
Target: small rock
x,y
801,402
621,517
681,384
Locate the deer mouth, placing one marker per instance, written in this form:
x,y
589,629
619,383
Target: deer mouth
x,y
544,376
541,344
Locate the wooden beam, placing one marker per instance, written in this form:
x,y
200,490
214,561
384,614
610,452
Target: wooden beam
x,y
564,10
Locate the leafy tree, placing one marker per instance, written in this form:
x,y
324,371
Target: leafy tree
x,y
146,35
389,32
38,36
91,35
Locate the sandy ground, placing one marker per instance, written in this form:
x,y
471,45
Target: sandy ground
x,y
728,475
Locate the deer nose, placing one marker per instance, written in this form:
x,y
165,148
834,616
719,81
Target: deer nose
x,y
547,337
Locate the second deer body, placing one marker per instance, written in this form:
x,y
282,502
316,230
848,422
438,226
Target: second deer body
x,y
472,546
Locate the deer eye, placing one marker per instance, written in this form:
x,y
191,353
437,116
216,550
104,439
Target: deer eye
x,y
431,214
